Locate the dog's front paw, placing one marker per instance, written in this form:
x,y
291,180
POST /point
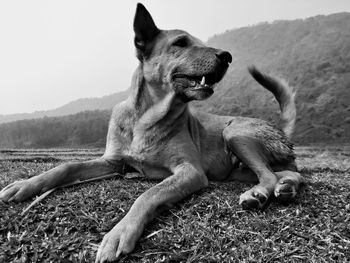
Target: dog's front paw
x,y
255,198
120,240
20,190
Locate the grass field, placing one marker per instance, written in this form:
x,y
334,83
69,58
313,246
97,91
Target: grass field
x,y
209,226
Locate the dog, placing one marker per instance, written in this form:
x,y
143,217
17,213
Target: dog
x,y
156,133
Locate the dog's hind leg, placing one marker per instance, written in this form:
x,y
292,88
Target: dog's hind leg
x,y
249,153
244,175
288,184
61,175
257,144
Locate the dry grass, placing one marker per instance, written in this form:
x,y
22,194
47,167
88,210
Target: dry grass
x,y
207,227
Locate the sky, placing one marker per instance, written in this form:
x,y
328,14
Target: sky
x,y
53,52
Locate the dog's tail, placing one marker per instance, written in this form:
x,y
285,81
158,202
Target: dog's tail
x,y
284,94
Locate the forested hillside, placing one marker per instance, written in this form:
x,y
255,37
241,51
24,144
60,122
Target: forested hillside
x,y
88,129
85,104
312,54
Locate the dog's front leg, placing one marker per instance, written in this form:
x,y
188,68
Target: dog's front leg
x,y
58,176
123,237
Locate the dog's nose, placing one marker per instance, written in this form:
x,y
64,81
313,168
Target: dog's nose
x,y
224,56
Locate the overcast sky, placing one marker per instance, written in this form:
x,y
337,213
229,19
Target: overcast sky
x,y
53,52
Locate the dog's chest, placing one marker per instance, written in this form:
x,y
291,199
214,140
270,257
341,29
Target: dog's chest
x,y
144,151
147,160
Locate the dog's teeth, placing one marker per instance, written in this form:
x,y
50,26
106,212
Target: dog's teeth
x,y
203,81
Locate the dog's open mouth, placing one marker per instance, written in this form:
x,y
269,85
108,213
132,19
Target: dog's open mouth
x,y
197,82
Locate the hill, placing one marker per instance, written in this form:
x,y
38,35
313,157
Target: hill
x,y
312,54
88,129
84,104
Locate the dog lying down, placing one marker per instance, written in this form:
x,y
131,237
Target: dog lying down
x,y
157,134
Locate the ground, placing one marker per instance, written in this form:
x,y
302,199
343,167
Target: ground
x,y
209,226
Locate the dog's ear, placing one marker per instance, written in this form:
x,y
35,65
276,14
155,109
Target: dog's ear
x,y
145,30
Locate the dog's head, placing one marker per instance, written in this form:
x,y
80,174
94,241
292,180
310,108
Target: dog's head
x,y
175,60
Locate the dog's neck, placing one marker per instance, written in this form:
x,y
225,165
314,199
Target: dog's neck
x,y
154,105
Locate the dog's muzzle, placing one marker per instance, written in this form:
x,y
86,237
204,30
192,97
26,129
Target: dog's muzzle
x,y
204,78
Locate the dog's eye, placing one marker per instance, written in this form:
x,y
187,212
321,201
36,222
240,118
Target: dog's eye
x,y
181,42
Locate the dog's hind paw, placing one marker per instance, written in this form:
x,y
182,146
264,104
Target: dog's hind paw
x,y
255,198
288,185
